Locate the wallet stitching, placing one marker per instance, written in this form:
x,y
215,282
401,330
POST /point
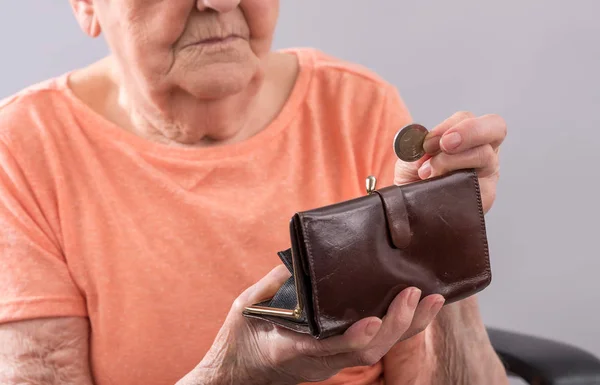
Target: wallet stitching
x,y
481,220
313,283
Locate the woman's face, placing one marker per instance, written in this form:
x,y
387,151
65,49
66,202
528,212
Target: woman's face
x,y
207,48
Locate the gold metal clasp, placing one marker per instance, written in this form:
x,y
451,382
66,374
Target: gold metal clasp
x,y
371,184
293,314
264,310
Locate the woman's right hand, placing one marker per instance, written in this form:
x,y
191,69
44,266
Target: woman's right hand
x,y
249,351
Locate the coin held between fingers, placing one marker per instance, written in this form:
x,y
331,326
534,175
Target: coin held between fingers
x,y
408,142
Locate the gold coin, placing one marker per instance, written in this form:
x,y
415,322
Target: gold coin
x,y
408,142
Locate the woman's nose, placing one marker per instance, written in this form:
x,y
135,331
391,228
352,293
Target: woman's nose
x,y
222,6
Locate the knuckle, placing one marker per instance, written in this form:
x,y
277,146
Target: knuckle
x,y
486,155
311,347
464,115
355,345
437,164
470,125
442,164
305,347
239,304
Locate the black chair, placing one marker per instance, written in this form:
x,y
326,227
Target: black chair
x,y
542,361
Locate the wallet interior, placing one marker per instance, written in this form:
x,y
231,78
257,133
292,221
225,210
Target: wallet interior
x,y
285,302
287,308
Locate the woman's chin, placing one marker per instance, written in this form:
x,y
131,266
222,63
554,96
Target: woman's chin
x,y
221,79
216,89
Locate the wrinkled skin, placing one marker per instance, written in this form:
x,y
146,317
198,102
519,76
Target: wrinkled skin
x,y
183,72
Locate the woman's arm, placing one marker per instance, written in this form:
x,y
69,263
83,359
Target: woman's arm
x,y
463,351
45,352
454,349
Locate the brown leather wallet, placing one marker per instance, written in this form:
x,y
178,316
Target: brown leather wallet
x,y
349,260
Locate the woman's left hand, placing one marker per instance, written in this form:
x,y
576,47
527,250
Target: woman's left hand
x,y
461,141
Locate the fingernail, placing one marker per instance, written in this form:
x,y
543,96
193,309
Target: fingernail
x,y
415,296
438,305
425,170
432,145
451,141
372,328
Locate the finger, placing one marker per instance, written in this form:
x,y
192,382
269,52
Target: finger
x,y
482,158
427,310
263,289
399,327
432,141
348,351
471,133
357,337
398,318
395,323
407,172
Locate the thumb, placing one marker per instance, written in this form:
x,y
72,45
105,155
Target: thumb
x,y
263,289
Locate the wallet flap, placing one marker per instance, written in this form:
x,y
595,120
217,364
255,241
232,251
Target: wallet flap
x,y
396,215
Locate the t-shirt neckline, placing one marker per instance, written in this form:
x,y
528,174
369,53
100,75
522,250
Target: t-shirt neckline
x,y
112,132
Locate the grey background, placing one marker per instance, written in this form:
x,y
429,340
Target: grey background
x,y
535,62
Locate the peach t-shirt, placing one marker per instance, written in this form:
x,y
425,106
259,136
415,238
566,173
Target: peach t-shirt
x,y
153,243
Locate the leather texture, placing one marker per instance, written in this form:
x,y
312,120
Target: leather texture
x,y
356,256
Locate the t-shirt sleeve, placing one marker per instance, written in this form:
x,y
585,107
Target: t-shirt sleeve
x,y
35,281
394,116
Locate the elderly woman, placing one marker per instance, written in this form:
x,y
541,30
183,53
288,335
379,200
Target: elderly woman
x,y
143,199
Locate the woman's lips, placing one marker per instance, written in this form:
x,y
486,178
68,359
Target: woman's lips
x,y
215,41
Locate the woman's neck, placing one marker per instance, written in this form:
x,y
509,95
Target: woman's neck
x,y
188,121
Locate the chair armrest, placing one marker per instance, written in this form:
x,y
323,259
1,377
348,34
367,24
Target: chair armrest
x,y
542,361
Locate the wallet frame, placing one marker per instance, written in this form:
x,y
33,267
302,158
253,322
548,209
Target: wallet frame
x,y
295,314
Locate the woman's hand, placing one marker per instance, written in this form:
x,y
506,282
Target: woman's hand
x,y
248,351
461,141
457,335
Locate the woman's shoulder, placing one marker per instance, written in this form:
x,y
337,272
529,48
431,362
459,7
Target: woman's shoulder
x,y
346,89
31,95
329,70
28,112
32,126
